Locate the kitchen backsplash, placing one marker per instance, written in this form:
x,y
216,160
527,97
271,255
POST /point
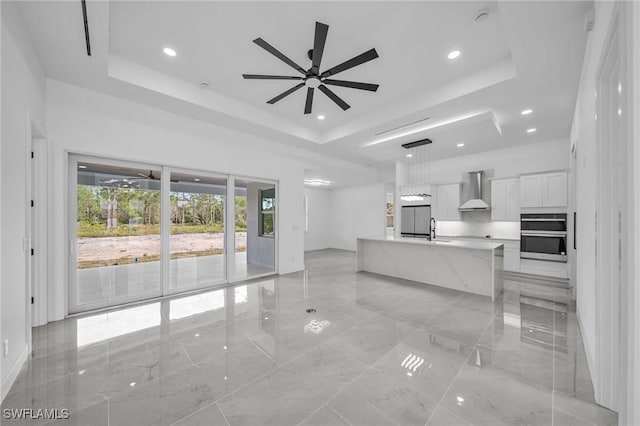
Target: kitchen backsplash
x,y
479,224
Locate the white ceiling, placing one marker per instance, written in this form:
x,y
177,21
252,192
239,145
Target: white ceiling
x,y
524,55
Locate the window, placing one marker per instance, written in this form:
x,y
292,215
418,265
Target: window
x,y
267,207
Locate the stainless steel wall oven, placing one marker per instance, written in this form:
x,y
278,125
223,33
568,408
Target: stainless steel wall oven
x,y
543,236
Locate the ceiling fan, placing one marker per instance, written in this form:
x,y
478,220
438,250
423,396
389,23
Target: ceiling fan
x,y
151,176
313,78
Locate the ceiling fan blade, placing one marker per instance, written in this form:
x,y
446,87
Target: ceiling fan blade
x,y
318,46
143,175
285,93
353,62
270,77
335,98
309,103
275,52
352,84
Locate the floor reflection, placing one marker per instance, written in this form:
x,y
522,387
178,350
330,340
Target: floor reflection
x,y
329,346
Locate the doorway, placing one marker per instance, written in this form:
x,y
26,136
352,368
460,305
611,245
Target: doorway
x,y
612,221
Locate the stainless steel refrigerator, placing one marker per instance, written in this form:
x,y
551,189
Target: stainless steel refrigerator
x,y
415,221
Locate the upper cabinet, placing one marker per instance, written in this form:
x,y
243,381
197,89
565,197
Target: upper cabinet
x,y
505,200
447,202
544,190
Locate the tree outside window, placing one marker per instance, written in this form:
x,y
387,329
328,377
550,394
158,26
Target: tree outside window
x,y
267,208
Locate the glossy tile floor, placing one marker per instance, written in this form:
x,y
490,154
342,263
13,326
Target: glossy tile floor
x,y
377,351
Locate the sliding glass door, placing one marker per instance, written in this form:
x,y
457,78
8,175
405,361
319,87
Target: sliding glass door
x,y
117,244
143,231
196,244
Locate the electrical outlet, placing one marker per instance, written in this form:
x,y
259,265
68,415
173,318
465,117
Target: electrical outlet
x,y
5,347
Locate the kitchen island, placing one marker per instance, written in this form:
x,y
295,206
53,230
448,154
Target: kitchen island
x,y
471,266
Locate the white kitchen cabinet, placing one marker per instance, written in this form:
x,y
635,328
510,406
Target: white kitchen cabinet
x,y
447,202
544,268
543,190
531,191
554,189
505,200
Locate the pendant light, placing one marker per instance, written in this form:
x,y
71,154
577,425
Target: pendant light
x,y
415,191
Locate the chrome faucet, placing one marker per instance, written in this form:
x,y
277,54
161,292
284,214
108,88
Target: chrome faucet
x,y
432,228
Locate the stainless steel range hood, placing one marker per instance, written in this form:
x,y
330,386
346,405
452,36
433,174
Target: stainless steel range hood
x,y
475,203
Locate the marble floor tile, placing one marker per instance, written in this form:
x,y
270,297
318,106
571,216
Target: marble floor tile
x,y
325,416
370,340
209,415
489,396
294,391
461,324
584,410
405,385
444,417
376,351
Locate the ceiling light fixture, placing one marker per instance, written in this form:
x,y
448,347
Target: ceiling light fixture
x,y
169,51
197,180
460,145
414,189
526,111
453,54
321,117
531,130
317,182
82,167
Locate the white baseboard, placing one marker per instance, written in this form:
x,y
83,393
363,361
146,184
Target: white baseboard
x,y
12,375
591,363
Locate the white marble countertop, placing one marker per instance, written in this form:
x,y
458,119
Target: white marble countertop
x,y
477,245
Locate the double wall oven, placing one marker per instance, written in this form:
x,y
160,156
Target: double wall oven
x,y
543,236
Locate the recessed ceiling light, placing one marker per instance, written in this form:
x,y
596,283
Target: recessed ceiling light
x,y
531,130
82,167
526,111
197,180
409,155
460,145
453,54
321,117
169,51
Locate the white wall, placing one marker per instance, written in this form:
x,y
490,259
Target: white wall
x,y
317,236
22,103
357,211
86,122
583,131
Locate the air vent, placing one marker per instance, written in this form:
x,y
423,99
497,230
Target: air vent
x,y
401,127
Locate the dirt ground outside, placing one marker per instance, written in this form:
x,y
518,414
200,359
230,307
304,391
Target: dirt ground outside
x,y
139,246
